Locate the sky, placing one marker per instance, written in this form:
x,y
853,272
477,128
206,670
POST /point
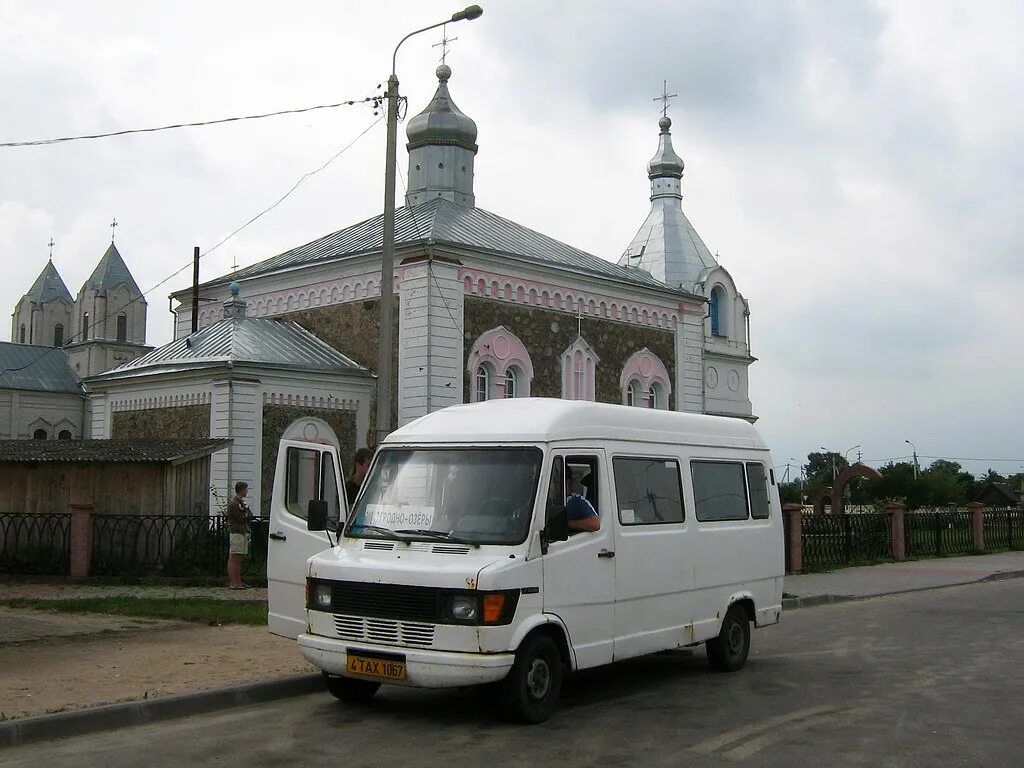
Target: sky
x,y
858,167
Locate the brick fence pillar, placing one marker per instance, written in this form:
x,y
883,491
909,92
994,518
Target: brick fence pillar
x,y
794,531
977,510
80,547
897,524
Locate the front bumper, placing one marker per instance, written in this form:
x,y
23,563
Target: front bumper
x,y
424,668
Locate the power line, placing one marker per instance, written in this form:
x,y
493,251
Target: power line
x,y
375,100
170,277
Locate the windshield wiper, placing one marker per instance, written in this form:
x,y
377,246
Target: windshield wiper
x,y
438,535
387,532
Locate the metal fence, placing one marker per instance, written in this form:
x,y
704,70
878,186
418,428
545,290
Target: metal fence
x,y
34,543
832,540
1004,529
935,534
155,545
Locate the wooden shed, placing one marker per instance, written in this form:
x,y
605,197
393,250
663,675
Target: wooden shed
x,y
114,477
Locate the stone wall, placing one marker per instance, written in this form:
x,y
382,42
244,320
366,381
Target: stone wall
x,y
276,419
354,330
186,422
547,333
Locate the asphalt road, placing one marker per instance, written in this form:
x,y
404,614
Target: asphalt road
x,y
933,678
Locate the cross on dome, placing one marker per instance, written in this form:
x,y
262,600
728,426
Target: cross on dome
x,y
113,226
664,98
51,244
444,43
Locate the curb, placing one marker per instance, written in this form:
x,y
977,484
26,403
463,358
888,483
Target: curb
x,y
45,727
792,603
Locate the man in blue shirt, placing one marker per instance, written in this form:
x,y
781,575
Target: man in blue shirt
x,y
581,513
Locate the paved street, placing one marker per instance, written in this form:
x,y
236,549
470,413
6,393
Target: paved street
x,y
925,679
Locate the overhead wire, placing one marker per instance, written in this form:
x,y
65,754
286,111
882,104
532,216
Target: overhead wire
x,y
376,100
190,263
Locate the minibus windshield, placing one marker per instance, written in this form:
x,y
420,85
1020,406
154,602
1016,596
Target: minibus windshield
x,y
462,495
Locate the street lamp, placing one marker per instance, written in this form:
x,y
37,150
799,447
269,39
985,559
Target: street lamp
x,y
915,456
826,450
846,454
387,271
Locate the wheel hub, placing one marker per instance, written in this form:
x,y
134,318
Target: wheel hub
x,y
538,679
734,639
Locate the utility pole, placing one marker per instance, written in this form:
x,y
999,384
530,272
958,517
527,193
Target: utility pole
x,y
915,456
385,345
195,289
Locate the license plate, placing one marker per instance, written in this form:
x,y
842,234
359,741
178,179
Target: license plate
x,y
367,666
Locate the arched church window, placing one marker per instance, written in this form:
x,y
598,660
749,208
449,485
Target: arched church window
x,y
645,381
718,312
504,359
21,335
654,398
39,434
85,327
482,384
122,327
579,371
632,393
64,435
58,335
512,382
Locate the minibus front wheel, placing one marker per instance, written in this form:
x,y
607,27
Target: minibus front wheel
x,y
728,652
531,691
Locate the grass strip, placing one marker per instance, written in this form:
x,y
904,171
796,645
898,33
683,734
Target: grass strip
x,y
203,610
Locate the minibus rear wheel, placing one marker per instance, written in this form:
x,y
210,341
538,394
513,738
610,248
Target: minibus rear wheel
x,y
350,690
531,691
728,652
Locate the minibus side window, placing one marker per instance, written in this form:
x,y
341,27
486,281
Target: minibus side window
x,y
757,484
648,491
719,490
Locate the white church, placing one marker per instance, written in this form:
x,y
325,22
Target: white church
x,y
485,308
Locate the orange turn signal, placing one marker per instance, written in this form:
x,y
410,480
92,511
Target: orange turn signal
x,y
494,604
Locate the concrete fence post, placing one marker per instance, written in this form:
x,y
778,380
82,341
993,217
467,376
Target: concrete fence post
x,y
794,514
977,510
80,545
897,523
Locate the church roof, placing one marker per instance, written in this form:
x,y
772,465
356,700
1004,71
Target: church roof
x,y
443,222
49,287
257,341
111,272
442,122
669,247
37,369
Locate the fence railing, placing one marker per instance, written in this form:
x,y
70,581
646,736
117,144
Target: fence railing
x,y
34,543
845,539
1004,529
165,545
935,534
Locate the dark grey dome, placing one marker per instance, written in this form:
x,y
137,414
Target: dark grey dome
x,y
442,122
665,161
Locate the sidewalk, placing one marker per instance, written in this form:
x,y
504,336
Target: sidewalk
x,y
811,589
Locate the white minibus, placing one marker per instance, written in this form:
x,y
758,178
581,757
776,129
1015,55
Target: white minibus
x,y
515,541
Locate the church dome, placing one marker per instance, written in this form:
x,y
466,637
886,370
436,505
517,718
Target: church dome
x,y
442,122
665,161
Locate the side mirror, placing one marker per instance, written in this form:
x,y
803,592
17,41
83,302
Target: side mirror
x,y
557,526
316,515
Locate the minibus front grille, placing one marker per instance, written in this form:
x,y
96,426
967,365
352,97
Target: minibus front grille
x,y
388,601
384,631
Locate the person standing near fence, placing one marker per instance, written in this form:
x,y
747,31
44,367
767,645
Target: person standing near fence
x,y
239,535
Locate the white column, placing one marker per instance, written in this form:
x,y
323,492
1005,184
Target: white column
x,y
690,359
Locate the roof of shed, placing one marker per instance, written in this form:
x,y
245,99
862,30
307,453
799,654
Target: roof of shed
x,y
110,451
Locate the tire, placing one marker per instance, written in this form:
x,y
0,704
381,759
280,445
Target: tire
x,y
349,689
531,691
728,652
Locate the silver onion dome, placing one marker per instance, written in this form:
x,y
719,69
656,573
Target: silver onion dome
x,y
665,161
442,122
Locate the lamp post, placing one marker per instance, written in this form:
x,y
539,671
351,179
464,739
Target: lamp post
x,y
846,454
826,450
915,456
800,477
387,271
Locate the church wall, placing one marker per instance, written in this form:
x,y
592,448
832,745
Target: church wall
x,y
354,330
276,419
186,422
547,333
22,412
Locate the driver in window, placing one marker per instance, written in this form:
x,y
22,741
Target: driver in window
x,y
581,513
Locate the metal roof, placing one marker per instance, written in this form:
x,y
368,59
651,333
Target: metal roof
x,y
539,419
443,222
116,451
35,368
265,342
111,272
49,287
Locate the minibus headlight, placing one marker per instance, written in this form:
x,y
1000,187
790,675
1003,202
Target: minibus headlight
x,y
322,596
464,608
